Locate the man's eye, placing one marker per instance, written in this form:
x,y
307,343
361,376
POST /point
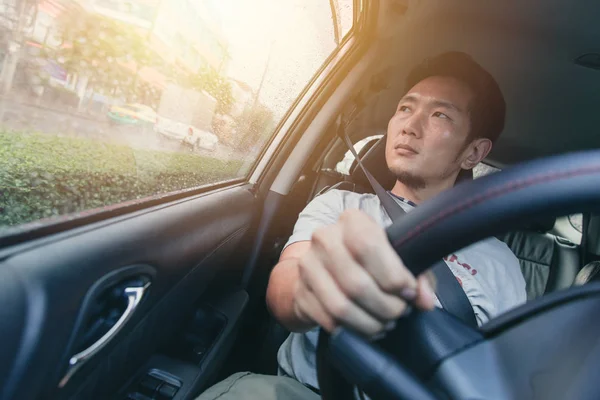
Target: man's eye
x,y
403,109
440,115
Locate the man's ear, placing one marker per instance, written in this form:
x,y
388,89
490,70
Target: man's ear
x,y
476,152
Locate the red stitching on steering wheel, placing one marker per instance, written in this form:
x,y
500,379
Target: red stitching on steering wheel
x,y
510,186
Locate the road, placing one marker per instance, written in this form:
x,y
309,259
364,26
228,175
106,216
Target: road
x,y
22,117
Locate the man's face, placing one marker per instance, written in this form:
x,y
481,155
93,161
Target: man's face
x,y
428,135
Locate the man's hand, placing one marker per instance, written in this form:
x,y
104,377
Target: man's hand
x,y
350,275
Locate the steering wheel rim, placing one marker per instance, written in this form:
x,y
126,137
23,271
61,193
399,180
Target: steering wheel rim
x,y
476,210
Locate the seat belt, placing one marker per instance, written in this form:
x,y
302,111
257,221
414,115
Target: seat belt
x,y
448,291
389,204
451,295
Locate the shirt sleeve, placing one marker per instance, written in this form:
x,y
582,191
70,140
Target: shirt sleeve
x,y
323,210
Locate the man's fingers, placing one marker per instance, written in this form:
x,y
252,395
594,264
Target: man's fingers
x,y
352,279
369,246
389,271
352,276
308,308
333,300
425,295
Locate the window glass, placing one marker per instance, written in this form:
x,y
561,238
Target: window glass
x,y
108,101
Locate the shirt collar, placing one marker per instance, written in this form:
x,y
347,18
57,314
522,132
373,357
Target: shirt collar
x,y
402,199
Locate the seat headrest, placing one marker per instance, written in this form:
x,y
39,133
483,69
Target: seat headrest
x,y
589,273
361,154
542,225
374,162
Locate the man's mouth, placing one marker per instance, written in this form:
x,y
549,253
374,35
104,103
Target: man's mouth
x,y
404,149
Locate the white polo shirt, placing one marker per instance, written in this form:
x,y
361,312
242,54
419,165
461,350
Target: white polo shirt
x,y
488,272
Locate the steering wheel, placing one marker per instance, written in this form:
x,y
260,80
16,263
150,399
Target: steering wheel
x,y
548,348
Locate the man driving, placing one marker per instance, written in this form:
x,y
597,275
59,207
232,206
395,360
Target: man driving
x,y
338,267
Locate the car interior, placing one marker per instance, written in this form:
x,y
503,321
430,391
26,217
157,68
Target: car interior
x,y
161,300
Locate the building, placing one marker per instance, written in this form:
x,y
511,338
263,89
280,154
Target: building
x,y
139,13
190,34
183,32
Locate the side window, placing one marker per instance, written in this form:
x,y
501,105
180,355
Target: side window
x,y
109,101
343,166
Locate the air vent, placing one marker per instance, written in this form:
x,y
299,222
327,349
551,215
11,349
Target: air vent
x,y
589,60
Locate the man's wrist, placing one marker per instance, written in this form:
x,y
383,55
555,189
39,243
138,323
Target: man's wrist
x,y
281,297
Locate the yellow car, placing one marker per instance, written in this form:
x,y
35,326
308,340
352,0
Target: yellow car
x,y
134,113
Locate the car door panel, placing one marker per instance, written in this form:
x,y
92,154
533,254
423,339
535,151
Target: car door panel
x,y
181,246
195,374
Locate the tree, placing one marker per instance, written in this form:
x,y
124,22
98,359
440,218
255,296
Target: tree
x,y
254,125
101,52
216,85
142,56
17,18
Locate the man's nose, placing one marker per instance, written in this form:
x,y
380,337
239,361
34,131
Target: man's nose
x,y
413,125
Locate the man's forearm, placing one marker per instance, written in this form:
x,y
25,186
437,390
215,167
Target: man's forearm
x,y
280,296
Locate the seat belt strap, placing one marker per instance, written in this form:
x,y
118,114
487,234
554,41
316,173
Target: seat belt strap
x,y
451,295
449,292
392,208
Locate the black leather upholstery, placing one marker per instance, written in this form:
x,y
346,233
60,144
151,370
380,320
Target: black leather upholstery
x,y
565,265
542,225
535,252
547,262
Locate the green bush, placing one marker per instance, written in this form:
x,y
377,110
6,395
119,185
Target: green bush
x,y
44,175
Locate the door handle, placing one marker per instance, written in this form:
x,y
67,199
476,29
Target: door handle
x,y
134,296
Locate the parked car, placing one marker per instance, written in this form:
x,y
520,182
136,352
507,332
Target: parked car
x,y
129,114
186,134
200,139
